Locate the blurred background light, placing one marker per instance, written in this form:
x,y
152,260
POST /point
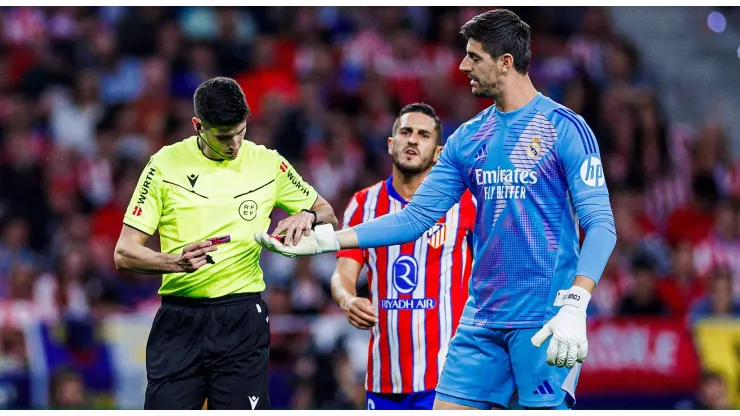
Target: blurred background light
x,y
717,22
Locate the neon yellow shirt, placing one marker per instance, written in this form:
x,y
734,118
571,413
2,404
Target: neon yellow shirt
x,y
190,198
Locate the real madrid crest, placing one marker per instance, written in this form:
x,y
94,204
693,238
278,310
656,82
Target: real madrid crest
x,y
534,149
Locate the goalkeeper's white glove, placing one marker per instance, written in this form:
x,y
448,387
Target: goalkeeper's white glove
x,y
568,329
322,239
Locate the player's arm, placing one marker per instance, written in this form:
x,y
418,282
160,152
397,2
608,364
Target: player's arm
x,y
578,153
140,221
299,199
581,161
359,311
440,190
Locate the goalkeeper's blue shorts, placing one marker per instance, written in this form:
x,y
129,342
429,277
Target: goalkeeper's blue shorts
x,y
486,368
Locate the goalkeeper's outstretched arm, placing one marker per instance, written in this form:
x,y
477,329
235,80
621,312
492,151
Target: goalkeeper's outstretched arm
x,y
425,208
439,191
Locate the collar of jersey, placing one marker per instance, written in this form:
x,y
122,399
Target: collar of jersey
x,y
220,162
392,191
510,117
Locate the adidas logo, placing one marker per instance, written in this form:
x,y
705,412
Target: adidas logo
x,y
544,388
482,152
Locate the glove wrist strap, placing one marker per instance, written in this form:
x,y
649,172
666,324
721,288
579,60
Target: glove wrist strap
x,y
326,238
575,296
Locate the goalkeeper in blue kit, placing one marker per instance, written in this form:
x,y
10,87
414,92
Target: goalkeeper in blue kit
x,y
535,169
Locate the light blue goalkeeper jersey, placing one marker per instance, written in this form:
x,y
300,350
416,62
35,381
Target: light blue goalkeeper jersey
x,y
536,173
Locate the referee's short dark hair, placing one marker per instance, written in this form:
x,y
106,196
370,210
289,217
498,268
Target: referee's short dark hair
x,y
422,108
500,32
220,101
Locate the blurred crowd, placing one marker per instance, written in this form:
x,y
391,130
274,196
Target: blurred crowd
x,y
88,94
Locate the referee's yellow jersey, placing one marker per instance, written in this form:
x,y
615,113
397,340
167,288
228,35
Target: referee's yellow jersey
x,y
190,198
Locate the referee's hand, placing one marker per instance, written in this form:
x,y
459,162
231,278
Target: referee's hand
x,y
295,226
194,256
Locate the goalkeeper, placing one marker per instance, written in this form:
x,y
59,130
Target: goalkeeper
x,y
535,169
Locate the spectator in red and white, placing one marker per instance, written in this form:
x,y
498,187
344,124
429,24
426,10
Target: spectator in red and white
x,y
719,248
694,221
682,287
657,161
711,155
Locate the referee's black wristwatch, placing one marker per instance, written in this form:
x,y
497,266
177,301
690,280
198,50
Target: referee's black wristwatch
x,y
315,217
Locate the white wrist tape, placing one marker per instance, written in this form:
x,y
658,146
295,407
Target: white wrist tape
x,y
575,296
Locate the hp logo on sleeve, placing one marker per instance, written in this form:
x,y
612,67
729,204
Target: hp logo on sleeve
x,y
592,173
405,274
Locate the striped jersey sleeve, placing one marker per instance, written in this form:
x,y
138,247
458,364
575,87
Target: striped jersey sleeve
x,y
353,215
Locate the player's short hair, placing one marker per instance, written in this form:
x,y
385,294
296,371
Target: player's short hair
x,y
422,108
220,101
501,31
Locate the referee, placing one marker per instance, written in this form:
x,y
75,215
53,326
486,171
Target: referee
x,y
210,338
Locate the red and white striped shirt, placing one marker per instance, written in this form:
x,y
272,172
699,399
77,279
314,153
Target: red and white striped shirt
x,y
419,290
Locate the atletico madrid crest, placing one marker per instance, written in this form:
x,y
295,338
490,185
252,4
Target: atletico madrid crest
x,y
437,235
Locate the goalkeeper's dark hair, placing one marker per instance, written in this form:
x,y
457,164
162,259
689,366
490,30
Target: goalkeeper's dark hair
x,y
500,32
422,108
220,102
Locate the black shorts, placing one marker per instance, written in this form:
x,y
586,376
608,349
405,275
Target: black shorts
x,y
209,348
